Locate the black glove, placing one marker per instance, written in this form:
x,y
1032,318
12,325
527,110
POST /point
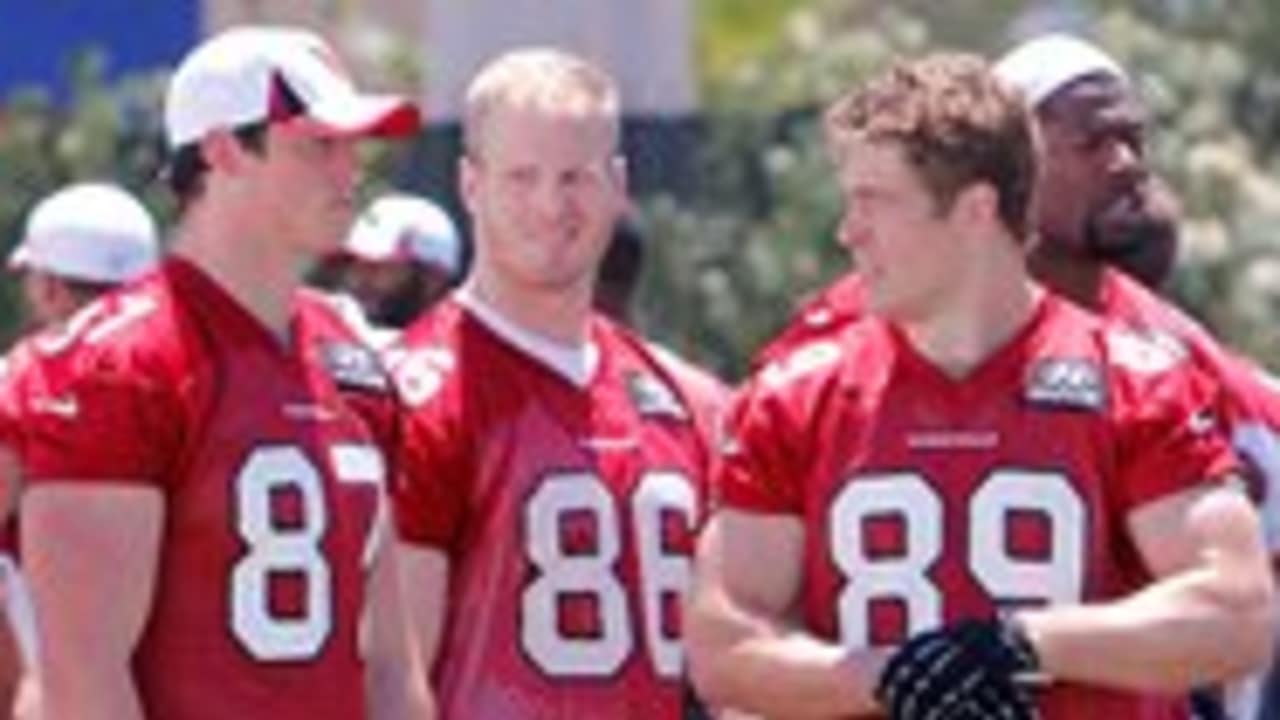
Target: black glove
x,y
966,670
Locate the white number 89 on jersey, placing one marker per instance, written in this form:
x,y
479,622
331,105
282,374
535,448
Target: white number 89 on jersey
x,y
906,578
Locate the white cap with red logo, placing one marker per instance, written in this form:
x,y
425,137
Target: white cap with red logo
x,y
405,227
1044,65
94,232
246,75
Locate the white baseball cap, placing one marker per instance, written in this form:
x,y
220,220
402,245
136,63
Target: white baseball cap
x,y
243,75
95,232
1043,65
406,227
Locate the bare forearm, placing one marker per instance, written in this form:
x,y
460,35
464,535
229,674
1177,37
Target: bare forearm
x,y
104,694
747,665
798,677
1182,631
396,685
395,694
107,540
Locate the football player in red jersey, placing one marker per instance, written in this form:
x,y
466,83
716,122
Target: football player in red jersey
x,y
77,244
553,465
1103,240
980,501
201,528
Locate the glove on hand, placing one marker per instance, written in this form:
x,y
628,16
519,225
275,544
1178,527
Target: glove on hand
x,y
967,670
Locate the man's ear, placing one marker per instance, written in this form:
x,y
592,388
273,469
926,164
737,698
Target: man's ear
x,y
618,171
468,179
221,150
976,203
618,177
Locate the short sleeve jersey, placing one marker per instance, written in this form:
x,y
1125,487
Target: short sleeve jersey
x,y
271,483
1248,401
1257,440
927,499
566,511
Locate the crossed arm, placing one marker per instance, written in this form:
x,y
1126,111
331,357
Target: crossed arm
x,y
1207,617
744,651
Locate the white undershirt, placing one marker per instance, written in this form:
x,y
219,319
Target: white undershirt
x,y
575,363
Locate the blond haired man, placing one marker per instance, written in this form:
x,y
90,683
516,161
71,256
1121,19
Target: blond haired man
x,y
553,465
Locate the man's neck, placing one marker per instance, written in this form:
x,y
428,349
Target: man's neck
x,y
976,320
247,269
1073,275
562,316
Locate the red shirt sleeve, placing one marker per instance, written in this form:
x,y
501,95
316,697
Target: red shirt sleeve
x,y
1173,434
99,419
760,465
429,493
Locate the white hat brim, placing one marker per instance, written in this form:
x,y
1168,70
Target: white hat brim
x,y
365,116
19,258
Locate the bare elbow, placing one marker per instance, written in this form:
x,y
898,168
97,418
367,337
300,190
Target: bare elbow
x,y
1250,610
706,648
709,684
1258,621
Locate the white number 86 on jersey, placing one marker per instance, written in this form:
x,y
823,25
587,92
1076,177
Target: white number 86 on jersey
x,y
563,573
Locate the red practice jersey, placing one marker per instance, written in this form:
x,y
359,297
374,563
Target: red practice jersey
x,y
1257,440
1249,401
19,379
17,647
707,394
1129,302
1251,405
927,500
271,480
567,512
14,379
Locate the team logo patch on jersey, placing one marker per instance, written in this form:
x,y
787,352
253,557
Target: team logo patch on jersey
x,y
1067,383
354,366
654,398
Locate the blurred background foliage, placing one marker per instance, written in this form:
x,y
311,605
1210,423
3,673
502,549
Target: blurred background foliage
x,y
731,262
729,259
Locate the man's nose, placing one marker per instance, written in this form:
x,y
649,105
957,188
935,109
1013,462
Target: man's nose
x,y
550,197
853,231
1125,163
